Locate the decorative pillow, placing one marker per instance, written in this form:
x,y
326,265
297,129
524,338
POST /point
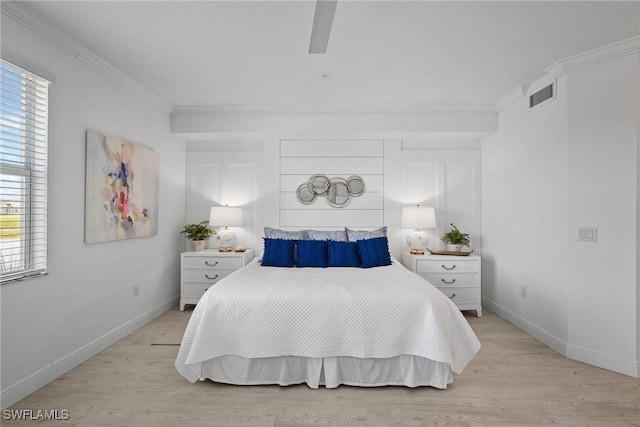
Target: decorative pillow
x,y
278,253
335,235
312,253
276,233
343,254
374,252
355,235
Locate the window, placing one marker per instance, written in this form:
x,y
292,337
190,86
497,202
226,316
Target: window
x,y
23,173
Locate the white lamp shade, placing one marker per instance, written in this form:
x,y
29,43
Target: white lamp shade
x,y
225,216
419,217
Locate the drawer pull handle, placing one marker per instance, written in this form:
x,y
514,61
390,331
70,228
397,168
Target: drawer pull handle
x,y
448,268
211,278
452,296
211,265
449,282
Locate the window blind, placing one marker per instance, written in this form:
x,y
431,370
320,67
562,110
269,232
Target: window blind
x,y
23,173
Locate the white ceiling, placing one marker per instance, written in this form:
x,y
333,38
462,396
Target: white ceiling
x,y
381,54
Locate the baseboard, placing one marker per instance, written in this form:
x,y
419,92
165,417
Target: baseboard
x,y
601,360
535,331
606,361
42,377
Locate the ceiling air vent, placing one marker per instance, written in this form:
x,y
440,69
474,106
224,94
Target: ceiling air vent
x,y
540,96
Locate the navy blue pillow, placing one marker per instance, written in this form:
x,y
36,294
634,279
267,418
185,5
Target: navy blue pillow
x,y
374,252
343,254
278,252
312,253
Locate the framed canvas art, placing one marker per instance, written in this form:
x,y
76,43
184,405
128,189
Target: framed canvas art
x,y
121,200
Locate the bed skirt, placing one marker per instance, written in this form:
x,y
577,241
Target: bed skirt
x,y
403,370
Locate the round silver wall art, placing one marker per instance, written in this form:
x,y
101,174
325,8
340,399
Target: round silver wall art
x,y
337,191
355,186
305,194
338,194
319,184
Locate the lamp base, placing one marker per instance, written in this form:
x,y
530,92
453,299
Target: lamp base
x,y
227,239
417,241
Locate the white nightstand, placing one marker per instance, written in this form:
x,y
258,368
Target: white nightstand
x,y
458,277
202,269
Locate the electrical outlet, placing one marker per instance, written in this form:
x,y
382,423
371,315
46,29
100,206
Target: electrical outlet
x,y
523,291
136,290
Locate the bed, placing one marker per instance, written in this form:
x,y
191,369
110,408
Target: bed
x,y
326,326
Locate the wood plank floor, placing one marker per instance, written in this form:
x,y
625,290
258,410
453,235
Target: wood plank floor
x,y
514,380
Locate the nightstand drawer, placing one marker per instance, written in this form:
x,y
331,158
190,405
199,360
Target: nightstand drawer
x,y
212,262
451,280
194,290
461,295
442,266
201,275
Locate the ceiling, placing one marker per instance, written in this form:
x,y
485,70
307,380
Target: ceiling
x,y
381,54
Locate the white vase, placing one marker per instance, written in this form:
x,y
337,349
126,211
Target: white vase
x,y
454,248
198,245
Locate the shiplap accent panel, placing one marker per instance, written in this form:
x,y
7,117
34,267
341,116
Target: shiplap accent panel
x,y
332,148
300,159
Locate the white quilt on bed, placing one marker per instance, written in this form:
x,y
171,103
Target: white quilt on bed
x,y
381,312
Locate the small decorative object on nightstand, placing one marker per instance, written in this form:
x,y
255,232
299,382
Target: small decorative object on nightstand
x,y
455,239
201,270
198,234
456,277
418,217
225,217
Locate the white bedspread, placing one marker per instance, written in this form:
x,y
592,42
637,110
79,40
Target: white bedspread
x,y
382,312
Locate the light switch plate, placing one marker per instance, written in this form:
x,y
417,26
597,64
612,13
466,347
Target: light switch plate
x,y
587,234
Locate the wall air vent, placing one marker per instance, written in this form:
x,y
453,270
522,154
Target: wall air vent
x,y
542,95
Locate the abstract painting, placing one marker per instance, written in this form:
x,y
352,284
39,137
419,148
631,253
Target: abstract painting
x,y
121,189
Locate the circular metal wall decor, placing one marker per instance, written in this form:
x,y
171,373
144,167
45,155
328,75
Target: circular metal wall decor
x,y
305,194
337,191
338,195
355,186
319,184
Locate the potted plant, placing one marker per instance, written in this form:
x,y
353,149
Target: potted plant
x,y
198,234
455,239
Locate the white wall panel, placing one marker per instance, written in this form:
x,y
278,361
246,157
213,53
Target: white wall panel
x,y
369,200
331,218
331,166
300,159
331,148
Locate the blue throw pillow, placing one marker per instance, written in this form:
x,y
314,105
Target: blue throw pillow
x,y
343,254
278,252
374,252
312,253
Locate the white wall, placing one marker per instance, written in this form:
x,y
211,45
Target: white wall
x,y
603,168
86,302
567,163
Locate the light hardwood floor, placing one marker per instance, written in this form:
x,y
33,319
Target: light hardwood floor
x,y
514,380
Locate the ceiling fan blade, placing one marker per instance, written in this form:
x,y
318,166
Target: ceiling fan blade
x,y
322,21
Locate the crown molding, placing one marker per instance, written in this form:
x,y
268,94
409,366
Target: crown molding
x,y
36,24
595,56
